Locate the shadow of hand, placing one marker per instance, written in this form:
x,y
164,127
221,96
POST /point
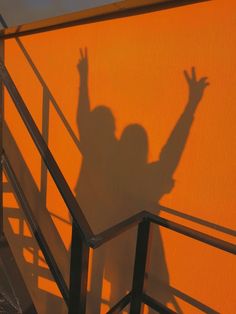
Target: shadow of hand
x,y
196,87
82,65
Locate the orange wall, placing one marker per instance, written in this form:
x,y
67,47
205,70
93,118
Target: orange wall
x,y
136,70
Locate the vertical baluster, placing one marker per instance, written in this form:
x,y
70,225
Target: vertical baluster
x,y
78,273
140,266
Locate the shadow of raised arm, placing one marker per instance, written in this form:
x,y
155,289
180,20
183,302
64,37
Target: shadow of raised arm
x,y
83,101
172,151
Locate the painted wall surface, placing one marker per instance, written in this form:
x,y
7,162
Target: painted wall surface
x,y
17,12
131,130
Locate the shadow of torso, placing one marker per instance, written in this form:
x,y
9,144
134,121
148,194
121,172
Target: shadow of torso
x,y
115,182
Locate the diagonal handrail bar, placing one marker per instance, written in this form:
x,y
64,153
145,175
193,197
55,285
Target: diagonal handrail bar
x,y
192,233
136,219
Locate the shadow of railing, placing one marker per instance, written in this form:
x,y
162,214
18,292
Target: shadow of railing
x,y
34,267
34,198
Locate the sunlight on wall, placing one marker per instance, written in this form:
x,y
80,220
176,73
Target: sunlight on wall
x,y
49,286
136,69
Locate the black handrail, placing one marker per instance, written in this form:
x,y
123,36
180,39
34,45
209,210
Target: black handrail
x,y
136,219
83,237
191,233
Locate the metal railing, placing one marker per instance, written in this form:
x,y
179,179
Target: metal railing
x,y
82,236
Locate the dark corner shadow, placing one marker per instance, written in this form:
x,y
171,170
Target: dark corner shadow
x,y
116,181
3,22
13,298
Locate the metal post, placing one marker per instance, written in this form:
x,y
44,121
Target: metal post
x,y
1,140
78,273
140,267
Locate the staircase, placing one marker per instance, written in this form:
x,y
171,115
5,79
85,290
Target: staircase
x,y
14,296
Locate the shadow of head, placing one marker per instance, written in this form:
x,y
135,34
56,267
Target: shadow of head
x,y
134,144
103,122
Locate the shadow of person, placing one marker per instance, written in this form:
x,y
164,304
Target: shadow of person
x,y
116,181
94,188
